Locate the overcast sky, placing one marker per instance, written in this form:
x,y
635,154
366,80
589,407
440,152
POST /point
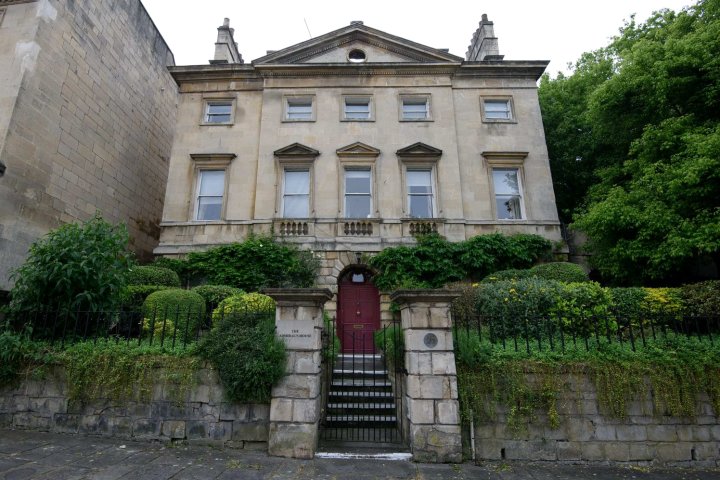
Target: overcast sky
x,y
556,30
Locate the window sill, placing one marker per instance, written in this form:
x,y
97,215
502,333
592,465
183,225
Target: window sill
x,y
498,120
416,120
361,120
285,120
217,124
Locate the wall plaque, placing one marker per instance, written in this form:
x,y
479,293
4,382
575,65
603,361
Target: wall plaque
x,y
297,334
430,340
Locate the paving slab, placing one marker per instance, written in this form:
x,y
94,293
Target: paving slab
x,y
34,455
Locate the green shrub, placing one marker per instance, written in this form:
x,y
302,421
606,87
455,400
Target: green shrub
x,y
184,308
152,275
243,306
584,309
627,303
510,274
435,262
663,302
248,356
134,296
391,342
331,351
75,267
177,265
256,263
560,271
702,298
214,294
518,307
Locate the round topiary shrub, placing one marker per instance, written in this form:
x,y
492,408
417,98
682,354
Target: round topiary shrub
x,y
133,296
214,294
560,272
149,275
510,274
243,307
248,356
184,308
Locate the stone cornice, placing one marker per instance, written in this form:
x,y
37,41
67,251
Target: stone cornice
x,y
299,296
253,75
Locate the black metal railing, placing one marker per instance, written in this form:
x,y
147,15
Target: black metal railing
x,y
363,397
170,327
560,334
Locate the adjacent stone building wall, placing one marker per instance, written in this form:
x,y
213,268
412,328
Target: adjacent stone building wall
x,y
202,417
87,114
585,434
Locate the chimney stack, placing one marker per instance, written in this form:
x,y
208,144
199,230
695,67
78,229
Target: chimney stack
x,y
484,44
226,50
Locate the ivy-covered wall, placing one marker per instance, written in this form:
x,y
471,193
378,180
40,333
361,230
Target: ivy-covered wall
x,y
574,426
172,409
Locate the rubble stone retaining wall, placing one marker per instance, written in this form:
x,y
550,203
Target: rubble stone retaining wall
x,y
586,434
202,417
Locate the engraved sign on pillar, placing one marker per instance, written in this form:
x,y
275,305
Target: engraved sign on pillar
x,y
298,334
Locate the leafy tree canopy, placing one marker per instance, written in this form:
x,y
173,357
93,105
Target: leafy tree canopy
x,y
636,152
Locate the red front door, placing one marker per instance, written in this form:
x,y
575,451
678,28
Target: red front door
x,y
358,312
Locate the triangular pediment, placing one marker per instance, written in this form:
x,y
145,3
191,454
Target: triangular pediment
x,y
357,149
296,150
378,47
419,150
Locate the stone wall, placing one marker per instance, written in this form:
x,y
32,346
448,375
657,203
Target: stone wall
x,y
87,115
203,417
586,434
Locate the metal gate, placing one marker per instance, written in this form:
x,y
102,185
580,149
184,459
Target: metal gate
x,y
363,396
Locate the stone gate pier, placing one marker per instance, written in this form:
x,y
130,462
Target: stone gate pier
x,y
431,395
296,407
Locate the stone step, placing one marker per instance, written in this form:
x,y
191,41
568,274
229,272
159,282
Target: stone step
x,y
355,419
361,406
385,393
360,382
355,371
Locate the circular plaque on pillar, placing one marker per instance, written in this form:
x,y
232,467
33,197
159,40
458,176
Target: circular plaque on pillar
x,y
430,340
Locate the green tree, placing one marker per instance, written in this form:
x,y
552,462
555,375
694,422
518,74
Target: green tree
x,y
77,267
652,206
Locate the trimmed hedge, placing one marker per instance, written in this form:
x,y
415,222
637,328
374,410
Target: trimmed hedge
x,y
560,271
184,308
150,275
214,294
243,307
702,298
517,305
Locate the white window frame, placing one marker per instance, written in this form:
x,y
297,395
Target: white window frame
x,y
208,102
206,162
198,196
357,99
415,99
433,186
357,168
288,102
497,98
283,195
520,195
506,160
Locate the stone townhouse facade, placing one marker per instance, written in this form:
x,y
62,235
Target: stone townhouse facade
x,y
355,141
87,112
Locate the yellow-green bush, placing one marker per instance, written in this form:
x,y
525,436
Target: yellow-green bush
x,y
244,305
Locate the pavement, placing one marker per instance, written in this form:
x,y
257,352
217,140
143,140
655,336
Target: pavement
x,y
34,455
